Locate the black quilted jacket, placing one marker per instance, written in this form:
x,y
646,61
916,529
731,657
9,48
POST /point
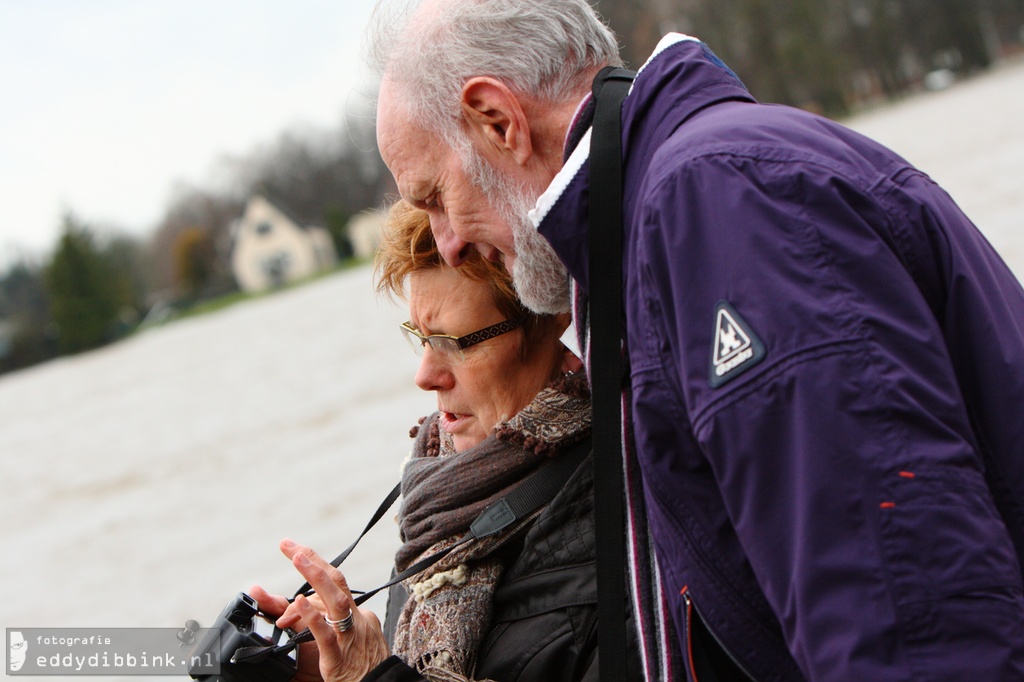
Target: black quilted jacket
x,y
545,607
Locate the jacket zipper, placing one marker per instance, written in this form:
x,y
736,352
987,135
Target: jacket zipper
x,y
691,608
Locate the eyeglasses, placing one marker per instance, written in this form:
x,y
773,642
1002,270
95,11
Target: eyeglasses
x,y
452,347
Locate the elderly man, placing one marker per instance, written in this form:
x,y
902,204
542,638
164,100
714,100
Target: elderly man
x,y
826,357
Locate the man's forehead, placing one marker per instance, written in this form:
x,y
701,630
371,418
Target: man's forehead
x,y
392,118
398,134
414,157
416,168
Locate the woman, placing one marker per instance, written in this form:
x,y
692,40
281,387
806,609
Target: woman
x,y
520,605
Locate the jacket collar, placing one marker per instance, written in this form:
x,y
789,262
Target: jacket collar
x,y
681,77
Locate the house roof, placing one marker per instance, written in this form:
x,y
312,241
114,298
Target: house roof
x,y
282,206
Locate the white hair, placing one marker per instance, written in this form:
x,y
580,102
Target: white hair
x,y
540,280
542,48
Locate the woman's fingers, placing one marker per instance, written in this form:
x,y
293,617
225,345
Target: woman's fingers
x,y
271,604
326,580
291,549
337,600
291,617
326,639
336,656
332,598
341,656
348,655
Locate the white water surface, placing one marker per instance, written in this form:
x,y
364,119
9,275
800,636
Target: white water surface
x,y
144,484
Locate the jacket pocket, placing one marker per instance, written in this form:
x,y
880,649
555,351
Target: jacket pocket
x,y
955,578
707,659
942,537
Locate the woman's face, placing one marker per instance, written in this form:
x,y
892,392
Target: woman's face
x,y
492,383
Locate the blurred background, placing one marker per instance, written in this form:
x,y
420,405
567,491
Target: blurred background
x,y
194,363
137,136
832,56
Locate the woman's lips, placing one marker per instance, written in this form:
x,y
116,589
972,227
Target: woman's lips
x,y
452,421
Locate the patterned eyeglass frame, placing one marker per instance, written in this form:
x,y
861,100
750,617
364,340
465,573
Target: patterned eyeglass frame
x,y
461,342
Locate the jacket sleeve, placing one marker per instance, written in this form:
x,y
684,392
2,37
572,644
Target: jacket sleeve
x,y
844,459
393,669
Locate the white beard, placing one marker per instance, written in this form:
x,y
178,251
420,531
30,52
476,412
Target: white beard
x,y
540,279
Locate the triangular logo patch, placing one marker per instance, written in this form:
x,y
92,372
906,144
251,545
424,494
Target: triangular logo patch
x,y
736,348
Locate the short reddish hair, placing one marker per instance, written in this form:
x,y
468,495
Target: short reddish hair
x,y
407,246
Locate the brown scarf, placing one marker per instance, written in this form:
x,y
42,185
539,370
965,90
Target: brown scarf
x,y
442,624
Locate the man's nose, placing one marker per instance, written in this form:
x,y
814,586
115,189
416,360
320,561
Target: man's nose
x,y
452,249
434,373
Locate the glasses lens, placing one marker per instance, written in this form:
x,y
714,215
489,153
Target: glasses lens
x,y
413,339
446,346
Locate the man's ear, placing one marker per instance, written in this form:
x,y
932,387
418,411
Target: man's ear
x,y
495,117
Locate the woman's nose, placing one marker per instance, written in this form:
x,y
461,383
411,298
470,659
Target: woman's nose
x,y
434,373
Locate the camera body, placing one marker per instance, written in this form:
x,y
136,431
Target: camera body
x,y
241,625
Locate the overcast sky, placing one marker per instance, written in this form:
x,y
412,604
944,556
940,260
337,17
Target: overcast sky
x,y
106,105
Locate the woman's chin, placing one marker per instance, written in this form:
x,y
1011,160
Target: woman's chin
x,y
465,440
463,444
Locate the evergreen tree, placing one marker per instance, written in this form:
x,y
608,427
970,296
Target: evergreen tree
x,y
25,315
86,293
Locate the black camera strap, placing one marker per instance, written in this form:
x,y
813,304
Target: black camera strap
x,y
530,495
605,218
377,516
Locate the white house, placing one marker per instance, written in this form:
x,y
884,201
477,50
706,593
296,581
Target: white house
x,y
270,248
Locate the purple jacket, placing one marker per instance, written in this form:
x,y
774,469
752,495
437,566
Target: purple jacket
x,y
827,373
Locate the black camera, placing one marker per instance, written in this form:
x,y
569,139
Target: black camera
x,y
245,643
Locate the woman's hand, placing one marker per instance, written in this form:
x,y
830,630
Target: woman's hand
x,y
342,656
276,606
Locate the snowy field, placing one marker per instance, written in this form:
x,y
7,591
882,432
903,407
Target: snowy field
x,y
143,484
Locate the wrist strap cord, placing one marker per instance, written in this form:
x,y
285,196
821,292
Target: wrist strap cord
x,y
536,491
